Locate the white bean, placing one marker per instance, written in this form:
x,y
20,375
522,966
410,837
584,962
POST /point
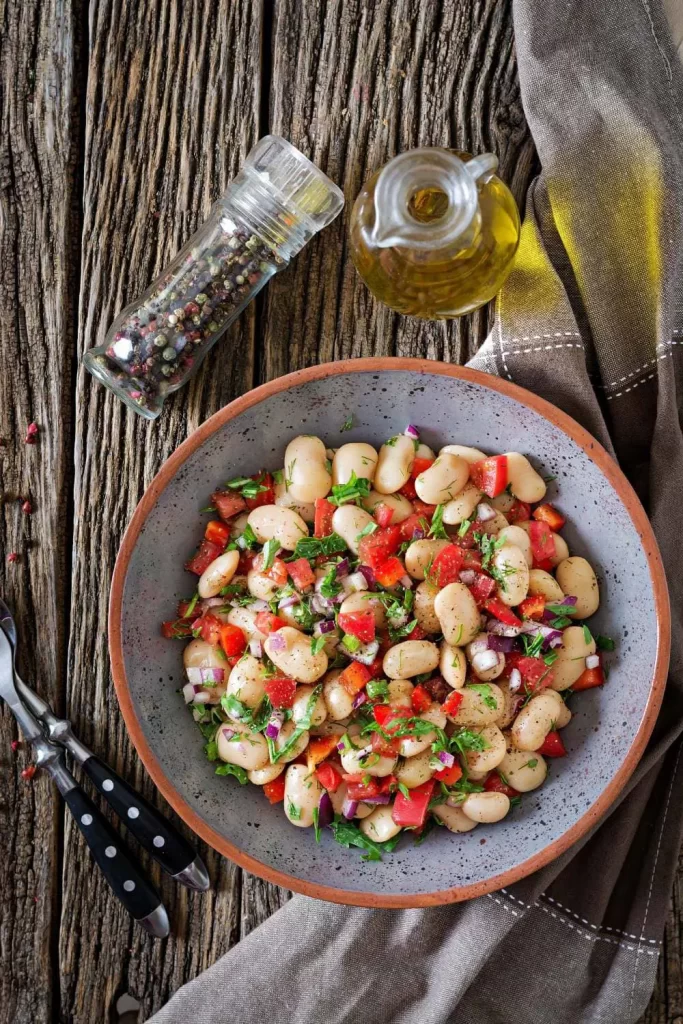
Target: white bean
x,y
458,614
358,458
470,455
218,574
576,577
260,586
486,807
571,657
238,525
361,761
494,752
274,522
561,549
338,700
502,502
486,664
452,665
285,736
361,601
395,462
349,521
409,746
302,795
563,716
237,744
380,825
421,554
511,563
297,659
453,818
199,654
535,720
306,473
510,707
400,691
520,538
541,582
413,771
525,483
399,505
492,527
245,618
443,480
462,505
482,704
423,607
247,681
306,509
261,776
410,658
523,771
338,798
300,706
423,451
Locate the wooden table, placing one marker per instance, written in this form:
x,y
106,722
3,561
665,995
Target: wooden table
x,y
121,123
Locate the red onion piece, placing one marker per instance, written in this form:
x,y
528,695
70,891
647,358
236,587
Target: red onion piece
x,y
326,626
359,699
406,582
255,648
349,808
369,576
341,746
325,810
500,629
418,533
381,798
275,721
515,680
412,431
448,760
468,576
194,675
290,601
342,568
258,605
478,646
504,644
212,675
485,513
277,643
567,602
355,582
189,693
227,732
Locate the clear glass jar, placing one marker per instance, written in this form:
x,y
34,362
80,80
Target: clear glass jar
x,y
274,206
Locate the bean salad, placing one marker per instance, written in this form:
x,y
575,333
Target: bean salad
x,y
385,641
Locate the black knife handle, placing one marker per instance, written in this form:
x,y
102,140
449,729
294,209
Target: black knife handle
x,y
125,878
151,829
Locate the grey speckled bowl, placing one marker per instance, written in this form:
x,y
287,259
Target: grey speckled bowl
x,y
449,404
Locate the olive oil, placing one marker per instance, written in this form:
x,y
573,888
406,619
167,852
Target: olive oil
x,y
434,233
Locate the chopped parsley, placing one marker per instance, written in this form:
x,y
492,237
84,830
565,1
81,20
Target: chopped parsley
x,y
311,547
303,725
293,811
208,508
233,769
347,834
247,538
316,823
377,688
587,635
351,643
464,527
211,750
402,788
303,615
290,470
255,718
466,740
317,644
391,443
486,694
437,529
397,634
367,530
247,487
347,424
532,644
550,657
531,764
354,490
330,586
270,550
604,643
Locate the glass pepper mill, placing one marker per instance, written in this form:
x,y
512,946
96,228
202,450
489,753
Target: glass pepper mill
x,y
434,232
274,206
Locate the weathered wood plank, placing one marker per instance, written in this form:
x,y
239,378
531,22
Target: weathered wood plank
x,y
666,1005
172,109
38,281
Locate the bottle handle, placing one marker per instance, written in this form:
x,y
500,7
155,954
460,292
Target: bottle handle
x,y
479,167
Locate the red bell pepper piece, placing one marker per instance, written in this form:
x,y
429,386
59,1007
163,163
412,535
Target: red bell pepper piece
x,y
411,811
390,572
552,745
266,497
446,566
228,503
548,514
420,699
482,588
519,512
421,508
449,776
267,623
536,675
301,573
324,510
359,624
452,702
176,629
368,788
542,541
217,532
490,475
205,555
391,717
419,466
354,677
280,691
377,547
383,514
328,777
501,612
233,640
532,607
318,749
494,784
209,625
275,790
589,678
408,490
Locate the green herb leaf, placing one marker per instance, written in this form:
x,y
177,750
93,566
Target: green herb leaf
x,y
303,615
367,530
532,644
317,644
347,424
532,763
354,490
378,688
303,726
437,529
549,479
330,586
404,790
233,769
270,550
560,623
311,547
211,750
247,538
515,801
316,823
465,740
486,694
397,634
278,476
587,635
464,527
550,657
351,643
561,609
347,834
247,487
293,811
604,643
391,443
208,508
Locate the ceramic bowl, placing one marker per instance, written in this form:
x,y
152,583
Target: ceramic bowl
x,y
606,523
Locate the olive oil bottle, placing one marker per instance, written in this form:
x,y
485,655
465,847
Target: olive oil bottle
x,y
434,232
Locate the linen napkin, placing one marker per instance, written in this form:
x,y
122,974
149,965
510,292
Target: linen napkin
x,y
592,319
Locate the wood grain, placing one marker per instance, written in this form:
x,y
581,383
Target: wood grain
x,y
666,1004
38,285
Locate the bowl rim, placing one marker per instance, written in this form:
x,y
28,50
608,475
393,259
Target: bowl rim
x,y
559,419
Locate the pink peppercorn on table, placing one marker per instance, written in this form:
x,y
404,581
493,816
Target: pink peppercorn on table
x,y
122,123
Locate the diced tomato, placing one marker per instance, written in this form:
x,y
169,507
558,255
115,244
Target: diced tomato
x,y
421,508
411,811
280,691
589,678
390,717
532,607
266,622
368,789
408,490
544,563
482,588
277,571
390,572
210,628
490,475
176,629
446,566
359,624
184,609
519,512
383,514
383,747
266,497
318,749
245,563
377,547
324,510
452,702
377,667
217,532
494,784
548,514
552,746
468,540
301,573
536,675
205,555
542,541
471,558
417,633
233,640
410,525
228,503
501,612
419,466
328,776
449,776
275,790
420,699
354,677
